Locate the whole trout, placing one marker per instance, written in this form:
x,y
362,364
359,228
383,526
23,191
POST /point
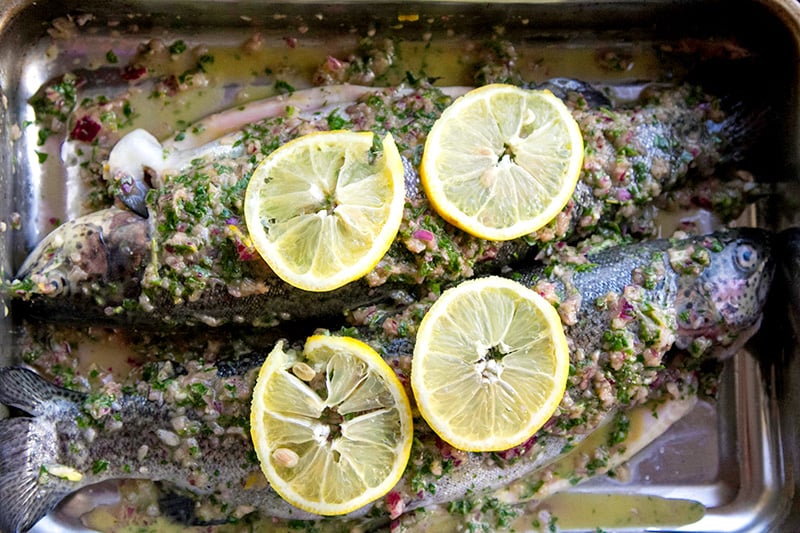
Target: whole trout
x,y
187,425
191,260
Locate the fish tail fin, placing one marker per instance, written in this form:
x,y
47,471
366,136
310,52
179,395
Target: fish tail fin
x,y
743,127
749,104
24,450
28,445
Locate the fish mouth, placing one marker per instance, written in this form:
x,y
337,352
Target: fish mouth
x,y
697,317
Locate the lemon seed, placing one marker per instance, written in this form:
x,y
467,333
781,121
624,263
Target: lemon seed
x,y
303,371
286,457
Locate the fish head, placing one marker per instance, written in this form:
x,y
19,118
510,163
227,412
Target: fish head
x,y
135,155
98,247
720,304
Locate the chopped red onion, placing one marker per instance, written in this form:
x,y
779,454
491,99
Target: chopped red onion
x,y
86,129
423,235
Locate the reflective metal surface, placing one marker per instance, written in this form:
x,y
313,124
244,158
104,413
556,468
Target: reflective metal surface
x,y
738,457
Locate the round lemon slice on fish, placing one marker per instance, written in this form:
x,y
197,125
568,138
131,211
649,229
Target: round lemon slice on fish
x,y
331,426
490,364
323,209
502,161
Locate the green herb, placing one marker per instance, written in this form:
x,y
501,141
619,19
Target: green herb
x,y
111,57
83,422
198,389
504,513
43,474
349,331
178,47
375,150
252,457
283,87
461,507
101,465
43,135
640,172
99,399
531,489
335,122
620,429
586,267
57,101
615,340
596,464
205,59
701,256
170,224
419,80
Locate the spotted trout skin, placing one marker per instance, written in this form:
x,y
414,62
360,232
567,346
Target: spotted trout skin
x,y
191,262
712,287
187,424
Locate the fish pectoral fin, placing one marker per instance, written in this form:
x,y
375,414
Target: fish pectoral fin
x,y
27,447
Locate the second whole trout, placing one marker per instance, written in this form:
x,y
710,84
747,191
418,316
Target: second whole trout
x,y
188,426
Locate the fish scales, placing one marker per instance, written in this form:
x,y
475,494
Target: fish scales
x,y
191,261
188,425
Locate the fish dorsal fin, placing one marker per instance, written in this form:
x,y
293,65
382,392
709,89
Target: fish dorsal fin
x,y
26,390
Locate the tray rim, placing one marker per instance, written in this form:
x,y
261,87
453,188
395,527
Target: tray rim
x,y
762,431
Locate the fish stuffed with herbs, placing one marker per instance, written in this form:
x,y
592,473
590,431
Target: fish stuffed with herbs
x,y
178,253
642,321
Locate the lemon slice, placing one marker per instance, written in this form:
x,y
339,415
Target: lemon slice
x,y
323,209
490,364
502,161
332,426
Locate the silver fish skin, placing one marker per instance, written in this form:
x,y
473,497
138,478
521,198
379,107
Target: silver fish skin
x,y
188,426
191,262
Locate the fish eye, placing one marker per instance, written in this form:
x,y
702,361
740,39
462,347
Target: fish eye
x,y
746,257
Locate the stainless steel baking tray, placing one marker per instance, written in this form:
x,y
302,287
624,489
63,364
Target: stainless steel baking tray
x,y
739,456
